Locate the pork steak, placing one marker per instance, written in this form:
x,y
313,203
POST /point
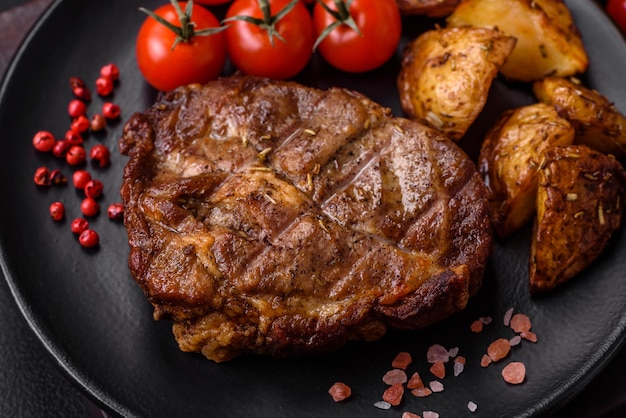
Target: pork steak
x,y
279,219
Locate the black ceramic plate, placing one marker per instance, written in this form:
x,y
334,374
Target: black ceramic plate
x,y
90,315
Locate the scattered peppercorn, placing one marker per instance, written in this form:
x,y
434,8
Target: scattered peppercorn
x,y
57,211
42,176
89,238
110,71
76,108
57,178
115,211
111,110
101,154
79,225
60,147
93,189
76,155
104,86
80,124
81,178
43,141
98,122
89,206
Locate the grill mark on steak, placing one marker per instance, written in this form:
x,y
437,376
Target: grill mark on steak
x,y
352,220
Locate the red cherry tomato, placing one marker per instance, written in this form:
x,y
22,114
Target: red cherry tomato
x,y
252,47
212,2
195,58
380,27
616,9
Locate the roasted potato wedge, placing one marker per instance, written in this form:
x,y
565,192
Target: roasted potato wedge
x,y
510,156
579,205
597,121
447,73
432,8
548,42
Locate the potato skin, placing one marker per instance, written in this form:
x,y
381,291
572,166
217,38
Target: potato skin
x,y
446,75
579,205
597,121
431,8
510,157
548,41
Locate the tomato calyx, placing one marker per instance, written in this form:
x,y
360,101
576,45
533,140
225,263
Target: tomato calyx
x,y
342,16
267,22
187,28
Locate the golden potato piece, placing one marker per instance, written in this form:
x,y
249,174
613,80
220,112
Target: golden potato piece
x,y
446,75
510,157
579,205
548,42
597,121
432,8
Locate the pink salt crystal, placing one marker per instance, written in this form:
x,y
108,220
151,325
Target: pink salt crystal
x,y
415,381
507,317
421,392
395,376
435,386
477,326
529,335
453,352
382,405
472,406
430,414
340,391
485,361
437,353
515,340
402,360
485,319
410,415
458,368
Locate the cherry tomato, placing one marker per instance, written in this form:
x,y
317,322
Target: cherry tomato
x,y
277,44
616,9
378,22
194,55
212,2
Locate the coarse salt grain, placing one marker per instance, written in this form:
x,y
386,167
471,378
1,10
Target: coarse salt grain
x,y
520,323
394,376
340,391
430,414
485,320
498,349
437,352
415,381
421,392
438,369
529,335
472,406
485,361
382,405
453,352
458,368
402,360
514,373
409,415
393,394
515,340
435,386
507,317
476,326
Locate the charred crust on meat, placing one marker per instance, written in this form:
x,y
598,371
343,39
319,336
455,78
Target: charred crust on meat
x,y
355,221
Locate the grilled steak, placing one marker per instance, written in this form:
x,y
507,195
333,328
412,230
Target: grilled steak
x,y
279,219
